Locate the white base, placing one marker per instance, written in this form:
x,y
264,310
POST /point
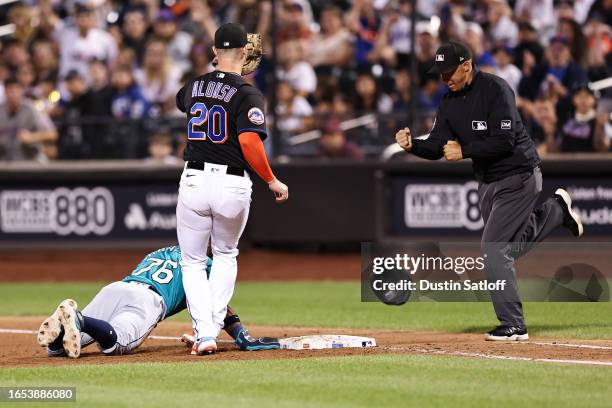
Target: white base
x,y
328,341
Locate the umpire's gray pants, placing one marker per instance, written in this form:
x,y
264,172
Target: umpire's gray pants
x,y
512,224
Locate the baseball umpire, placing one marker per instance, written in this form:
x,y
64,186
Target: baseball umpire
x,y
225,132
477,119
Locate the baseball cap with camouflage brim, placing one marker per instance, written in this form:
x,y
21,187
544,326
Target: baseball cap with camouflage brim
x,y
449,56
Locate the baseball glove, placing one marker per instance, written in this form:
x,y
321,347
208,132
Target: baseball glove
x,y
254,53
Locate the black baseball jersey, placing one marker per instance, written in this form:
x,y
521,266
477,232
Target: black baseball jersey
x,y
483,119
220,106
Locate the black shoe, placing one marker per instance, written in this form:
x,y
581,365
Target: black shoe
x,y
571,220
245,342
507,333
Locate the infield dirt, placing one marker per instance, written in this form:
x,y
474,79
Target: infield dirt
x,y
21,350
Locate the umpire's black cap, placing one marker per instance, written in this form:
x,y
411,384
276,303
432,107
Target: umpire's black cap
x,y
449,56
230,35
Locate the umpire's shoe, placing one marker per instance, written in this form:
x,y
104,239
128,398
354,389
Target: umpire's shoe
x,y
244,341
507,333
571,220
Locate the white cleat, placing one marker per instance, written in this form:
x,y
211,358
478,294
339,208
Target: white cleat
x,y
72,327
204,346
188,339
50,329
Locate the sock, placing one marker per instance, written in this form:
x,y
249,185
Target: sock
x,y
234,329
100,331
58,343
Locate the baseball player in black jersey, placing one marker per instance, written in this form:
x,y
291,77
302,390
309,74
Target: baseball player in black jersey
x,y
478,119
226,127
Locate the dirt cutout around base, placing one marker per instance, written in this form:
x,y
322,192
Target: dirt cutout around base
x,y
21,350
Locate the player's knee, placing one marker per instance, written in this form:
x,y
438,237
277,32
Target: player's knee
x,y
224,252
193,265
497,255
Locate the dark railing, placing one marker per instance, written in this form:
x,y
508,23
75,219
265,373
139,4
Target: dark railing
x,y
109,138
103,138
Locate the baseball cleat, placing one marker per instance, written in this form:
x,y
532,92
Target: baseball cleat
x,y
245,341
205,345
507,333
188,339
71,320
50,329
571,220
56,353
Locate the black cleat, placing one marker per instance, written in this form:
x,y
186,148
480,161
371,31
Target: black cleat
x,y
507,333
571,220
244,341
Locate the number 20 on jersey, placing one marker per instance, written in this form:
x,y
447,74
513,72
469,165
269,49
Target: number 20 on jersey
x,y
215,118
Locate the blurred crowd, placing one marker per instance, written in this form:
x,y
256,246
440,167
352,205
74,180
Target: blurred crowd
x,y
97,79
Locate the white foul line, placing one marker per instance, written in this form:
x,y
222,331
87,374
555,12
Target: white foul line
x,y
587,346
17,331
498,357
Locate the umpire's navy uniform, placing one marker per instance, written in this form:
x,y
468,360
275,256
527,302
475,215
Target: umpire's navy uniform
x,y
482,117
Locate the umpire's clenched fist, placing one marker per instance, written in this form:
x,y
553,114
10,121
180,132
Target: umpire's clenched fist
x,y
404,139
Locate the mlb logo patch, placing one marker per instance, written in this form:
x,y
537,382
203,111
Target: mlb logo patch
x,y
479,125
439,57
506,124
256,116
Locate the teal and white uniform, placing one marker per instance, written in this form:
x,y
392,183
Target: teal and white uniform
x,y
162,271
134,306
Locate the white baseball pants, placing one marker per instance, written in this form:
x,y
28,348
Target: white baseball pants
x,y
131,308
211,205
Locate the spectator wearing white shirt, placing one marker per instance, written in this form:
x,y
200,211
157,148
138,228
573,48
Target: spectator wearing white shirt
x,y
505,68
393,42
332,46
502,28
293,69
400,29
84,43
293,111
581,10
158,78
179,42
24,130
540,13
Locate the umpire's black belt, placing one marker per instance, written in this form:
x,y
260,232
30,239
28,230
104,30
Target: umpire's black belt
x,y
231,170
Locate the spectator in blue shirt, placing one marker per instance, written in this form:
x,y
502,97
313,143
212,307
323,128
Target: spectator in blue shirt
x,y
128,101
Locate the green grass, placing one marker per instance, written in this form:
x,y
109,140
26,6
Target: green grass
x,y
337,304
369,381
356,381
